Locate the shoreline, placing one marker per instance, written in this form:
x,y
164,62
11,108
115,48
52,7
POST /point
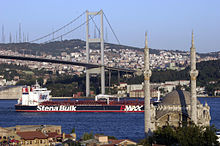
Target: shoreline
x,y
208,97
94,97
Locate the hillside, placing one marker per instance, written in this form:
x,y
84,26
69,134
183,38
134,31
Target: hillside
x,y
209,75
55,48
66,85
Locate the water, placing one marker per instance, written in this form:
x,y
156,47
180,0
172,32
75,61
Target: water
x,y
120,125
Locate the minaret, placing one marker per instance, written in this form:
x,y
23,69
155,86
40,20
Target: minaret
x,y
147,75
193,75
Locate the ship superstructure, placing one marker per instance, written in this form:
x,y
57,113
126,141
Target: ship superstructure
x,y
33,96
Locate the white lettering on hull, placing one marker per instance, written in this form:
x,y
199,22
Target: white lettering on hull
x,y
133,107
56,108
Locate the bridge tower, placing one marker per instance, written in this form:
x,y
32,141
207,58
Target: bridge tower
x,y
92,40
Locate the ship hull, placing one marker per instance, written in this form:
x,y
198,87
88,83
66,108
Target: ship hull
x,y
80,108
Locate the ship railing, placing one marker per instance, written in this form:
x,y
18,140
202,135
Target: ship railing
x,y
92,102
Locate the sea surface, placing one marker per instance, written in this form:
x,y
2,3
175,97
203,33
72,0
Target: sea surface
x,y
120,125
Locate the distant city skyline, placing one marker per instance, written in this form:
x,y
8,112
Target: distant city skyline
x,y
169,23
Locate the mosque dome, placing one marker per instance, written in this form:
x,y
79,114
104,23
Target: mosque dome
x,y
177,97
175,109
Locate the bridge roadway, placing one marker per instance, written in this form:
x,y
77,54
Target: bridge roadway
x,y
89,65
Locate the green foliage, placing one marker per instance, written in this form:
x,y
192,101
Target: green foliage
x,y
11,70
73,130
26,82
72,143
184,136
112,137
136,80
87,136
165,136
208,71
190,135
209,136
169,75
65,86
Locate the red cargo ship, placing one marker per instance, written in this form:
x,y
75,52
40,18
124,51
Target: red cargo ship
x,y
37,99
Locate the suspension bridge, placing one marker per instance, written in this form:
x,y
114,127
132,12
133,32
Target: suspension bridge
x,y
90,67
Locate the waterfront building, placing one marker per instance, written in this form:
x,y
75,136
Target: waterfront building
x,y
33,138
140,93
42,128
39,135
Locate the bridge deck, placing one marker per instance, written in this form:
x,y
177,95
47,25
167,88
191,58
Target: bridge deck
x,y
88,65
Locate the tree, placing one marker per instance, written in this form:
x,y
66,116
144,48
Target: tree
x,y
87,136
112,137
209,136
166,136
189,135
185,136
73,130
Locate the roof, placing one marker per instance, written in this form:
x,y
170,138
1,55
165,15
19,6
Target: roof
x,y
114,141
31,135
177,97
52,134
23,128
3,129
100,135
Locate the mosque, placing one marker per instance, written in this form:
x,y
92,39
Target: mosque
x,y
177,108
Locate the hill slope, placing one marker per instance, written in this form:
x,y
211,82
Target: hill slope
x,y
209,75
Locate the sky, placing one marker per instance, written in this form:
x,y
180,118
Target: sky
x,y
169,23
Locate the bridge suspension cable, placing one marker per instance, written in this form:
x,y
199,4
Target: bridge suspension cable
x,y
111,29
73,29
109,26
95,24
60,36
52,33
